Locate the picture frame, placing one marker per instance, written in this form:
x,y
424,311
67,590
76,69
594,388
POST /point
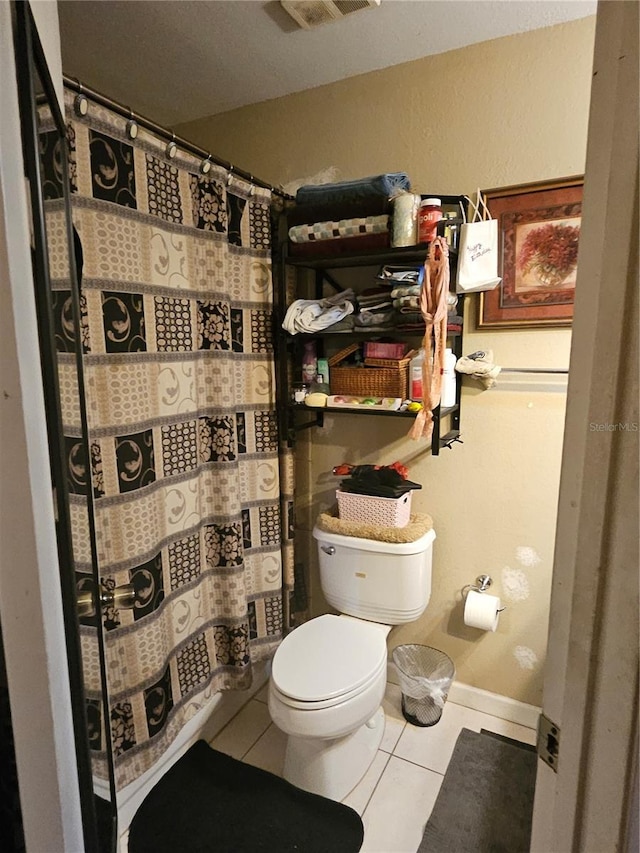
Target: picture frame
x,y
538,232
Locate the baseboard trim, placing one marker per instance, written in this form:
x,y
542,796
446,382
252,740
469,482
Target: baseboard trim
x,y
503,707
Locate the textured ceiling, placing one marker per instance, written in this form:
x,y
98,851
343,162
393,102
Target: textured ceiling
x,y
174,61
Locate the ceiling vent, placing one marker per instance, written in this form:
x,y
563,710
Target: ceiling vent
x,y
312,13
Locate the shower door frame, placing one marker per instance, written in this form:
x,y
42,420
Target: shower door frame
x,y
31,60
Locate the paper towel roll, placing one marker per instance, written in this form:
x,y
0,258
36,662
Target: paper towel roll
x,y
405,219
481,610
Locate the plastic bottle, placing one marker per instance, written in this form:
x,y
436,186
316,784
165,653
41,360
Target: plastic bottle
x,y
429,216
449,384
309,362
415,376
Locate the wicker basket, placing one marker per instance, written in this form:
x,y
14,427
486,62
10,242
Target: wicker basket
x,y
370,509
368,381
393,363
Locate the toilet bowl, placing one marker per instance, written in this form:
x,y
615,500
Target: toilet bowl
x,y
329,675
327,682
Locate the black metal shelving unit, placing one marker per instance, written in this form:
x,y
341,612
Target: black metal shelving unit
x,y
295,417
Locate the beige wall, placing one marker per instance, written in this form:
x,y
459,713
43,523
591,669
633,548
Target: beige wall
x,y
504,112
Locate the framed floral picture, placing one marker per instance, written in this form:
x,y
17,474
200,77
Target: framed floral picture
x,y
538,233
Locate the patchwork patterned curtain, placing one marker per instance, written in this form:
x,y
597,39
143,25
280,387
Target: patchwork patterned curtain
x,y
185,470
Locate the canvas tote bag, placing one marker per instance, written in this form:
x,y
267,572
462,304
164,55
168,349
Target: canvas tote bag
x,y
478,252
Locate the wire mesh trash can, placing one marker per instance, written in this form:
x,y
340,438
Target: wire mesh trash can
x,y
425,676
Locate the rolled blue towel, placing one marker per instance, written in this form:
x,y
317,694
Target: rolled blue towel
x,y
375,186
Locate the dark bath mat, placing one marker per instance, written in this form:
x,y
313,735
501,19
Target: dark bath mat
x,y
485,804
211,803
527,746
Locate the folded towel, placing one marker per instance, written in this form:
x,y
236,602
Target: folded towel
x,y
406,290
419,524
375,318
407,304
375,186
344,325
385,305
394,274
341,228
373,294
411,317
314,315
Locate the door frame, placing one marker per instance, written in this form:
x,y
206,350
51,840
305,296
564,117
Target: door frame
x,y
591,668
30,596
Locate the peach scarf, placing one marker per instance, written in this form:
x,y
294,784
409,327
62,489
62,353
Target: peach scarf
x,y
433,305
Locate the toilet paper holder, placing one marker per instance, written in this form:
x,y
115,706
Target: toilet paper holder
x,y
482,584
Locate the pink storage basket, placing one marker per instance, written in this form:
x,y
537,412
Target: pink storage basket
x,y
370,509
375,349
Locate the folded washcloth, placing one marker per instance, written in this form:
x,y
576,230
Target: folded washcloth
x,y
375,186
480,366
314,315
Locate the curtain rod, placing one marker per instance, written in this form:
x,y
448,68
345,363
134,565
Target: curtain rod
x,y
126,112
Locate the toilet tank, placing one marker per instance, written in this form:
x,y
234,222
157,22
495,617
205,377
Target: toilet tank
x,y
379,581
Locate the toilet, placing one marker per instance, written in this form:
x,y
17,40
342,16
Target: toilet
x,y
328,677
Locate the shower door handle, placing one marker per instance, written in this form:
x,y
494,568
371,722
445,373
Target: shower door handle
x,y
122,597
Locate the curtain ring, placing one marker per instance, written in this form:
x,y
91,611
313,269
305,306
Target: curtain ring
x,y
252,188
230,175
132,126
205,166
80,103
172,149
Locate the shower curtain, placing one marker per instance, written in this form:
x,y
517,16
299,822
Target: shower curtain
x,y
192,494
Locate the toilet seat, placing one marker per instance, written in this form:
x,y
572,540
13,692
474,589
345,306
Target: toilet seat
x,y
328,660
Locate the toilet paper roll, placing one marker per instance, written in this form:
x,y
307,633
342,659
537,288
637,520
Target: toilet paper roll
x,y
481,610
405,219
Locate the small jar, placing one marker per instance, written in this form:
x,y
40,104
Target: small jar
x,y
428,218
299,391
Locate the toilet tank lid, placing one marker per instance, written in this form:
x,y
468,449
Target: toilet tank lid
x,y
377,545
328,657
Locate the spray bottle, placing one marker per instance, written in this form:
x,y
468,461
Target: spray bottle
x,y
415,376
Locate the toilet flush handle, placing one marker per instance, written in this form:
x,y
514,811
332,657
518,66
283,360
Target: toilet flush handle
x,y
328,549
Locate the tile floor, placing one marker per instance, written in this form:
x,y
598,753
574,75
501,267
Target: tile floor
x,y
396,795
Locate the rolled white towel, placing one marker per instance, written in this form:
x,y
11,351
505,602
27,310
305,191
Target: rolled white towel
x,y
480,366
314,315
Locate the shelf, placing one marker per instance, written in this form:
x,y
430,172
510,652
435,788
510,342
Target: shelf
x,y
372,258
360,333
336,410
288,354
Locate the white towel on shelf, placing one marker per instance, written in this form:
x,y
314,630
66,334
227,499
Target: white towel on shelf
x,y
314,315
